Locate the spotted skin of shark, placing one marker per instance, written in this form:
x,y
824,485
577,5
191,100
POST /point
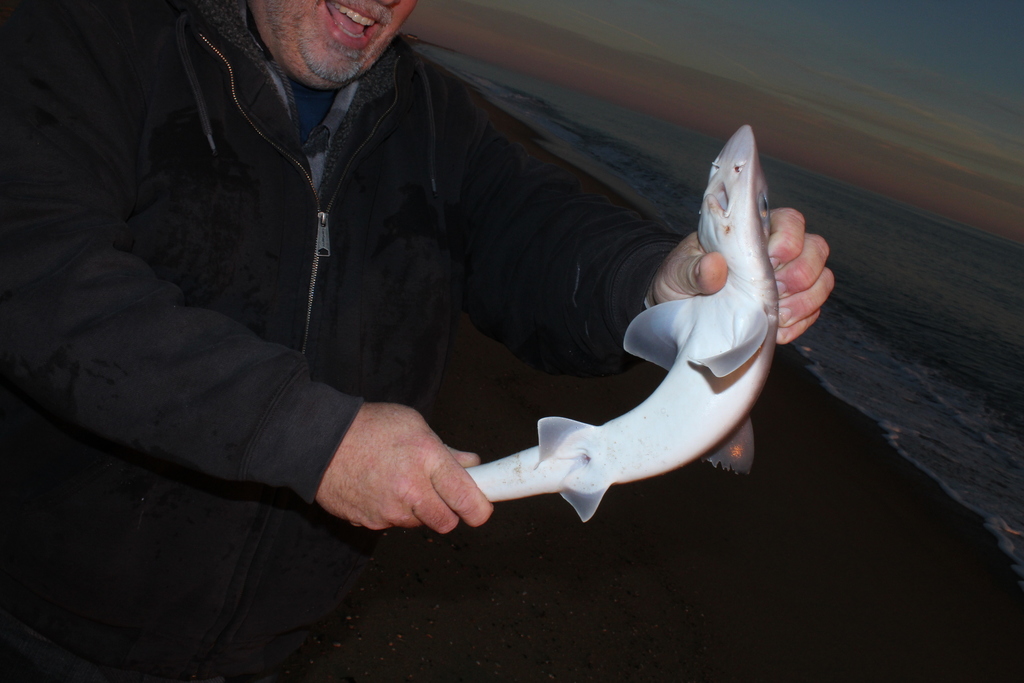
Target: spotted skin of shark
x,y
717,349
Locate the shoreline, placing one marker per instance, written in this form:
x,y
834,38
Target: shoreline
x,y
964,521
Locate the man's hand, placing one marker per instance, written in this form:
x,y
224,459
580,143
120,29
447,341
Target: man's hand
x,y
798,258
392,470
800,273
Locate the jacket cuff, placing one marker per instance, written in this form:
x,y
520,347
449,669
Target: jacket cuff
x,y
633,279
299,435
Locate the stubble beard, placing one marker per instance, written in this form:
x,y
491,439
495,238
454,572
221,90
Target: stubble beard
x,y
336,64
344,64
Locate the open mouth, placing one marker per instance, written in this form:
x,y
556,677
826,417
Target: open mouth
x,y
352,23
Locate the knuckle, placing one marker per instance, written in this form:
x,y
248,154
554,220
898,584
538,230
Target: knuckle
x,y
801,276
408,522
786,246
408,488
462,501
829,279
401,517
821,245
438,517
786,335
446,525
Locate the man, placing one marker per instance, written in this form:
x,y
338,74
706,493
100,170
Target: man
x,y
234,244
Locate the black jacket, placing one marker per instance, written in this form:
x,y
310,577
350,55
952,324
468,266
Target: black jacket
x,y
177,361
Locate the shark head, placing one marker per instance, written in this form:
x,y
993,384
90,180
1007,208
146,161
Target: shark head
x,y
735,216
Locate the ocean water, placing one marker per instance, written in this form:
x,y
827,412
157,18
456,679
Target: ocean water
x,y
925,330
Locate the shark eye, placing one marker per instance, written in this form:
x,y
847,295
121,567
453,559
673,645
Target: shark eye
x,y
762,205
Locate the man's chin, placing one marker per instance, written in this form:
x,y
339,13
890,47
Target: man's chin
x,y
331,80
330,76
338,73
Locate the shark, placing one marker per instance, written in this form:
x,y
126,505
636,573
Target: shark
x,y
717,349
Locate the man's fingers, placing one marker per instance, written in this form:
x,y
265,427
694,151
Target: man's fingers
x,y
710,274
464,458
811,282
436,515
796,307
461,495
688,271
787,235
803,280
805,271
788,334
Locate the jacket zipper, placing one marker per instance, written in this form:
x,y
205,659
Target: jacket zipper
x,y
323,246
323,239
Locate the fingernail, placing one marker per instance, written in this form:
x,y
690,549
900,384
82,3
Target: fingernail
x,y
774,262
781,286
784,314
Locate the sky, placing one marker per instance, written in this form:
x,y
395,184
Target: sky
x,y
919,100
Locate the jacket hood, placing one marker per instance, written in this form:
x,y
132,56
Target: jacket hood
x,y
225,21
227,18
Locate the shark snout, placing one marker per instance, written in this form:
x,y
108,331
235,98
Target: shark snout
x,y
727,173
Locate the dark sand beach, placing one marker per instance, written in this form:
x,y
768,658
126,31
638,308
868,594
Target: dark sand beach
x,y
834,560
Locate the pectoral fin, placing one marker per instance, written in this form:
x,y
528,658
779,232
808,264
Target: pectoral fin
x,y
738,452
654,335
749,333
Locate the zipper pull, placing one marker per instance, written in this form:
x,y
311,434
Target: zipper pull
x,y
323,236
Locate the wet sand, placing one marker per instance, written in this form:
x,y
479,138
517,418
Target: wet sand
x,y
834,560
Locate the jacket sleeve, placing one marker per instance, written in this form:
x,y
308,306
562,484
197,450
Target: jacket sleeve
x,y
554,273
88,333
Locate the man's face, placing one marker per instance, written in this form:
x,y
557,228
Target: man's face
x,y
326,43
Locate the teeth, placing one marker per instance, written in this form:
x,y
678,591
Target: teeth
x,y
353,15
359,18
